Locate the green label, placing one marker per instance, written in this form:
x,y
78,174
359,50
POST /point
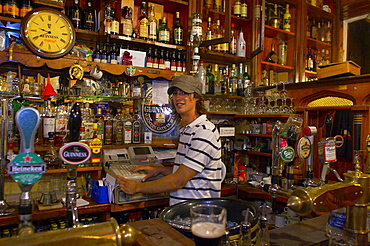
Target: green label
x,y
287,154
26,168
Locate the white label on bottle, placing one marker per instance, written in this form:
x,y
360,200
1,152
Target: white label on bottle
x,y
128,131
48,126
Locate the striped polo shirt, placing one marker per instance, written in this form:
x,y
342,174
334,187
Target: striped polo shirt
x,y
199,149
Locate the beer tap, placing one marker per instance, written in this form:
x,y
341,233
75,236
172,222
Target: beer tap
x,y
73,154
310,132
5,209
279,154
327,152
292,136
27,167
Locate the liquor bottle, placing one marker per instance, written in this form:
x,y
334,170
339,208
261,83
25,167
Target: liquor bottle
x,y
97,54
327,35
143,22
108,19
183,61
224,46
225,89
241,45
167,60
61,123
115,22
114,54
99,120
201,75
287,19
1,8
163,32
155,59
161,60
208,4
178,31
108,128
127,121
25,8
179,62
217,33
209,32
118,128
104,54
236,8
89,17
152,24
210,81
87,124
48,120
283,49
173,61
196,55
136,127
74,123
217,5
275,20
244,9
51,156
309,60
233,41
196,27
136,88
126,21
308,27
96,145
272,57
221,77
11,9
247,82
233,81
75,14
321,31
217,83
240,85
149,58
313,29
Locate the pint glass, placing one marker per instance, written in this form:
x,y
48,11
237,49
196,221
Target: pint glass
x,y
208,224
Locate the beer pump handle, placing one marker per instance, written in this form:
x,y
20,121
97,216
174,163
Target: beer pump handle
x,y
28,121
328,125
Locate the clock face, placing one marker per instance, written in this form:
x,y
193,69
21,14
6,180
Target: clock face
x,y
48,33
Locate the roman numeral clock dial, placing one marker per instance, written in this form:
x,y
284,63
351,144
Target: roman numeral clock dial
x,y
48,33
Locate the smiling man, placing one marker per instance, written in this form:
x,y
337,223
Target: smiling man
x,y
198,170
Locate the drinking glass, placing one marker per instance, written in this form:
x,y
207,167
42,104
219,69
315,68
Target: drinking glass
x,y
208,224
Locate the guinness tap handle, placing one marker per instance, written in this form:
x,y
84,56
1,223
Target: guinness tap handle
x,y
357,124
328,125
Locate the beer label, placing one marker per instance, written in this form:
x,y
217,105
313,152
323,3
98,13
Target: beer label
x,y
26,168
304,148
144,23
48,126
287,154
75,153
329,150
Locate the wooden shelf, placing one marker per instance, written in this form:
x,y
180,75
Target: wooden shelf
x,y
273,32
246,116
139,205
211,56
276,67
80,169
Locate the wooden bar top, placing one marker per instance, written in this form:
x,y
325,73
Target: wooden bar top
x,y
249,192
155,232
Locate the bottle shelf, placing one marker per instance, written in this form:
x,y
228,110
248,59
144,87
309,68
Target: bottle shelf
x,y
211,56
316,44
264,116
169,5
275,66
257,153
80,169
273,32
319,13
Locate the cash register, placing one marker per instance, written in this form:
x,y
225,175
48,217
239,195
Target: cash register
x,y
123,164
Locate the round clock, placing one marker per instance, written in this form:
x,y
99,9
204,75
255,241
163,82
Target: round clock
x,y
48,33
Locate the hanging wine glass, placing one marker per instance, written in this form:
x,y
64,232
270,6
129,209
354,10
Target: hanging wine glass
x,y
283,92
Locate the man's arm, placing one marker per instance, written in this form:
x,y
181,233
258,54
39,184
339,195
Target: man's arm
x,y
172,182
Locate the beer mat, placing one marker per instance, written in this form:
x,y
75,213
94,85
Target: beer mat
x,y
79,202
56,205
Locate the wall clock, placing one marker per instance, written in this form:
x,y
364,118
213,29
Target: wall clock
x,y
48,33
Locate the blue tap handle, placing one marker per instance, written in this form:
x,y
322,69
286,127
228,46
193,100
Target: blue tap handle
x,y
28,121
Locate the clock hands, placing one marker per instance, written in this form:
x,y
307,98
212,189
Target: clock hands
x,y
48,32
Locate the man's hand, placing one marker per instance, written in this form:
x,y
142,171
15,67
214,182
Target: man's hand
x,y
152,171
127,186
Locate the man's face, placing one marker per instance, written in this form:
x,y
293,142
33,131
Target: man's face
x,y
184,102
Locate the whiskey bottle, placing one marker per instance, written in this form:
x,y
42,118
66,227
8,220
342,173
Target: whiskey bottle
x,y
233,41
163,32
75,14
51,157
178,31
26,7
74,123
217,83
275,20
209,32
244,9
61,123
11,9
108,128
89,17
152,24
217,34
99,120
127,121
236,8
97,54
127,26
143,22
87,124
136,128
118,128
